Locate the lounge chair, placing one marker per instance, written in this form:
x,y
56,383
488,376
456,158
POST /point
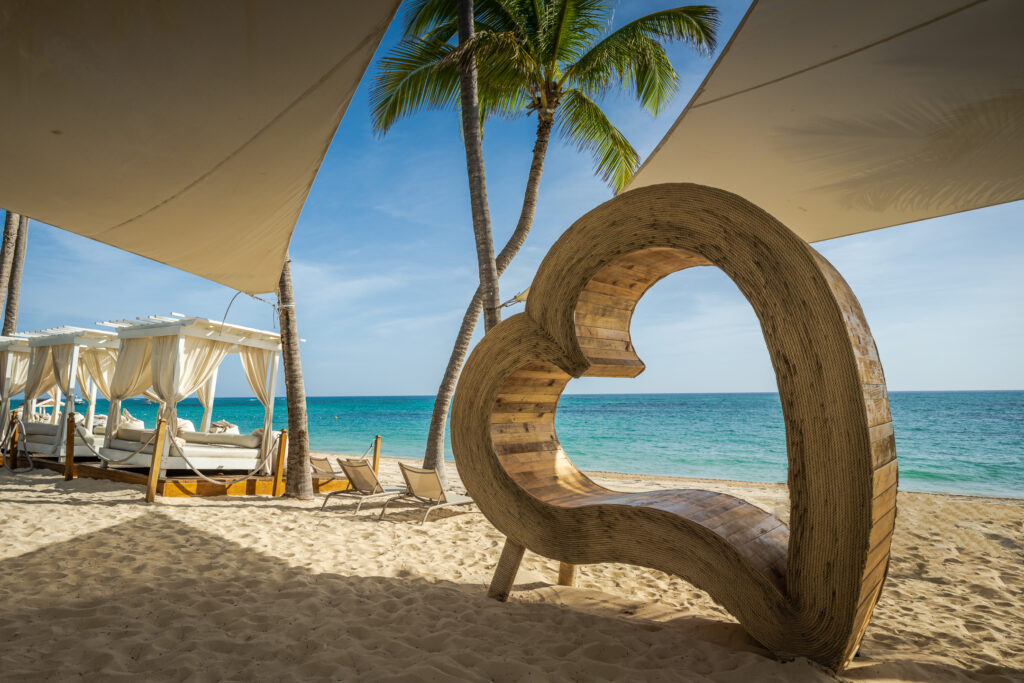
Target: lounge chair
x,y
425,489
363,484
323,467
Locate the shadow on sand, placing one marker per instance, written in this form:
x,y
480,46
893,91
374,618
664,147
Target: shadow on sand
x,y
156,598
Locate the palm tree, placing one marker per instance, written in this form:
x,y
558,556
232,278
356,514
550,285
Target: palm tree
x,y
470,106
553,59
298,481
11,222
14,283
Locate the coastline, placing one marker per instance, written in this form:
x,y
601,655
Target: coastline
x,y
664,481
100,585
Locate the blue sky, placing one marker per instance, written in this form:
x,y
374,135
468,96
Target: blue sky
x,y
384,265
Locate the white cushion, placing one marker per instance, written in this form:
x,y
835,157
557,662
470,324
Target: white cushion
x,y
240,440
41,428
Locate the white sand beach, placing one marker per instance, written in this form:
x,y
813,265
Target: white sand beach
x,y
96,585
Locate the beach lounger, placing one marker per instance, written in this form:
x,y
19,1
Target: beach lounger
x,y
363,484
324,468
425,489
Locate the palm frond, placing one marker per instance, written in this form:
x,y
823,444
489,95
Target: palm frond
x,y
633,57
413,76
503,63
568,26
581,122
422,17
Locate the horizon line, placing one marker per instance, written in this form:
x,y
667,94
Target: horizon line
x,y
654,393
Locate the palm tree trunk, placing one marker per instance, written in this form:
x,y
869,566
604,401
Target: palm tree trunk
x,y
298,482
7,251
475,168
434,457
14,284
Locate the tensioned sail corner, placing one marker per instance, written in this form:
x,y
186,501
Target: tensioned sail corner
x,y
841,117
187,132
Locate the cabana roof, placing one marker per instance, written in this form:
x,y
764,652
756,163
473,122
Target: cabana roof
x,y
840,117
190,326
18,343
80,336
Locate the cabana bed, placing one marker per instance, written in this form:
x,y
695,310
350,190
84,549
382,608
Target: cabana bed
x,y
176,356
60,357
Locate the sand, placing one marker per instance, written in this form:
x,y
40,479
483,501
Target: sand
x,y
96,585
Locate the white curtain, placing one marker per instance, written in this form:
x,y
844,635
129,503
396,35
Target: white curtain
x,y
62,356
13,374
97,365
14,369
132,376
203,394
38,379
180,371
256,365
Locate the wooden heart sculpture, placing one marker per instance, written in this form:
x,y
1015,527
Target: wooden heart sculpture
x,y
803,590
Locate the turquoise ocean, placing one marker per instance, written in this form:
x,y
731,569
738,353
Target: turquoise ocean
x,y
957,442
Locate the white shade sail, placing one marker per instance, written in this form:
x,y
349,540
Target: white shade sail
x,y
188,132
840,117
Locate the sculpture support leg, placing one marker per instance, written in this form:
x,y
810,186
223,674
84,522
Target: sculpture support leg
x,y
505,572
566,574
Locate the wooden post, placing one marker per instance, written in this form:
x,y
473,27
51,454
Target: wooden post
x,y
154,463
505,572
69,449
282,451
566,574
376,454
13,454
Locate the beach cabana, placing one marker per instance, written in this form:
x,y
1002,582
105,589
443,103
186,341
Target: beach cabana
x,y
177,356
63,355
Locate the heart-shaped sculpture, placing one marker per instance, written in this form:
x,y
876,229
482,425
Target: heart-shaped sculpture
x,y
803,590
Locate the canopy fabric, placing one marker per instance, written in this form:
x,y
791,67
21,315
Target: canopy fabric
x,y
40,373
13,375
39,379
132,376
840,117
62,356
256,364
188,132
97,365
203,393
180,366
14,368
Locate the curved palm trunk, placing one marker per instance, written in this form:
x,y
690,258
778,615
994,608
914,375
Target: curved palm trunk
x,y
298,482
475,168
434,457
7,250
14,284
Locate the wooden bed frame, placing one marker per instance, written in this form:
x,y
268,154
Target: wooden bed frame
x,y
807,589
